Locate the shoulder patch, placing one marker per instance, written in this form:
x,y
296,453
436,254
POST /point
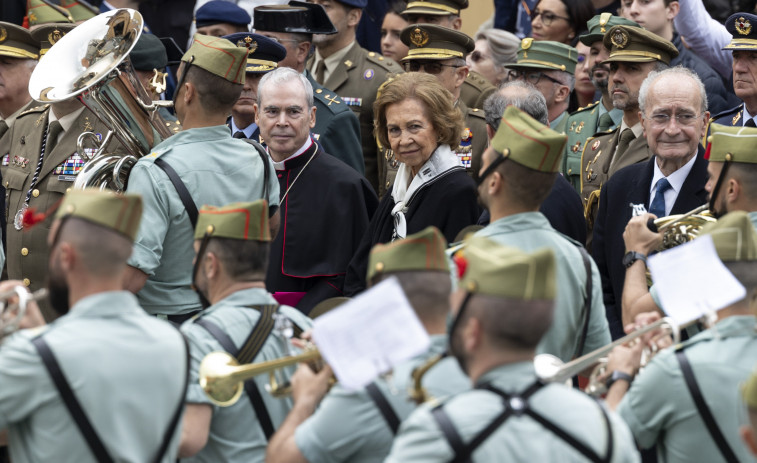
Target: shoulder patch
x,y
384,63
368,74
475,112
36,109
585,108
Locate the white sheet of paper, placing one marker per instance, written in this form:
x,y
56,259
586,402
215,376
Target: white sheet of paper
x,y
692,281
369,335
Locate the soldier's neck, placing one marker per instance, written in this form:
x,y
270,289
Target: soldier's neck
x,y
228,288
631,116
339,43
502,208
478,365
607,101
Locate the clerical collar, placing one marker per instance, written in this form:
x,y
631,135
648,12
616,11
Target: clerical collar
x,y
247,131
282,165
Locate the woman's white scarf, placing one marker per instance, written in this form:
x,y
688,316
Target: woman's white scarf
x,y
442,160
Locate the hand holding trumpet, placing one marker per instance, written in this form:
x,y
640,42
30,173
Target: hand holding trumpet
x,y
13,307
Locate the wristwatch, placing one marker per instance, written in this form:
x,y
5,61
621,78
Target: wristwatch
x,y
633,256
618,375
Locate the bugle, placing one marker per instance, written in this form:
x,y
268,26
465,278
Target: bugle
x,y
681,228
418,393
11,314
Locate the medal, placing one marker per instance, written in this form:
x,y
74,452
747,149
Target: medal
x,y
18,220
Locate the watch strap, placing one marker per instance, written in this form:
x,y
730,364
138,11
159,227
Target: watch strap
x,y
616,376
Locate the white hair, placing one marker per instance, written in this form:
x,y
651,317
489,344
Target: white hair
x,y
283,75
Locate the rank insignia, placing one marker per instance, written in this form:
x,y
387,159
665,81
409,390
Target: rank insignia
x,y
580,127
743,26
736,118
620,38
348,63
71,166
465,159
368,74
603,19
54,36
6,159
3,34
419,37
595,145
349,101
572,126
20,161
576,147
87,126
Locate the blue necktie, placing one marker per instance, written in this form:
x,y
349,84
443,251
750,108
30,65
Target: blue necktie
x,y
658,203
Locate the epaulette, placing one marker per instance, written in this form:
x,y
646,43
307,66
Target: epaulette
x,y
727,112
478,81
387,64
36,109
330,100
585,108
476,112
606,132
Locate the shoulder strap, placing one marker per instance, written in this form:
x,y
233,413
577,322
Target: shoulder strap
x,y
384,407
266,168
704,411
72,404
587,300
450,434
259,333
181,189
179,407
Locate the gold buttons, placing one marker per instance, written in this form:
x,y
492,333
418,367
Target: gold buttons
x,y
27,282
35,193
379,266
24,251
68,189
318,90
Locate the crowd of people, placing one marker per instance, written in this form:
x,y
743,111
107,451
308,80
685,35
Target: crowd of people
x,y
299,154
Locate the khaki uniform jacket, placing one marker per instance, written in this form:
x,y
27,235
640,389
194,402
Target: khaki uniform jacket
x,y
475,90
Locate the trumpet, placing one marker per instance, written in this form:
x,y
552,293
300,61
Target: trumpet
x,y
681,228
418,393
222,378
12,314
551,369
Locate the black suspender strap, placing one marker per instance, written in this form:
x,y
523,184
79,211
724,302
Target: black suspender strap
x,y
384,407
704,411
181,189
72,404
223,339
179,407
266,168
572,441
451,435
258,335
587,300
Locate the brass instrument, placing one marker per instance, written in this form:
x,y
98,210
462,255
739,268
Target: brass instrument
x,y
418,393
551,369
91,63
222,378
12,314
682,228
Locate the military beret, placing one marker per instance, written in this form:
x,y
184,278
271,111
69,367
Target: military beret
x,y
492,269
547,55
428,41
749,391
48,35
221,12
148,53
17,42
217,56
79,10
734,237
420,251
297,17
44,12
436,7
637,45
600,24
264,53
354,3
119,212
528,142
732,144
740,26
239,221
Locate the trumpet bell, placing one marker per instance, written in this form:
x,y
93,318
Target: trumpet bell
x,y
216,379
682,228
548,368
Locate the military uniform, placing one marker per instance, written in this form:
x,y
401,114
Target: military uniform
x,y
560,124
580,127
475,90
357,79
733,117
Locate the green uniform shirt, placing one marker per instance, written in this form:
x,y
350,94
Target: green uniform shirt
x,y
235,432
125,368
560,124
659,409
348,426
520,438
217,170
530,231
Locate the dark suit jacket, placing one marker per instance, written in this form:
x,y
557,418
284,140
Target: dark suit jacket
x,y
631,186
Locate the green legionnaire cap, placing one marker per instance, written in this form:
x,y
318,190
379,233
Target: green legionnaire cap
x,y
44,12
427,41
547,55
48,34
749,392
732,144
421,251
741,27
17,42
734,237
637,45
600,24
218,56
436,7
523,139
119,212
239,221
80,10
149,53
506,272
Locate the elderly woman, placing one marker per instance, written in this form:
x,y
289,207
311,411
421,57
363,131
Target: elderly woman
x,y
415,117
495,48
560,20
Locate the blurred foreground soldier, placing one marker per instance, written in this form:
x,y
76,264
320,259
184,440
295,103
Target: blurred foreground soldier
x,y
218,18
106,382
40,12
80,11
308,264
749,431
358,426
337,128
201,165
502,308
685,400
245,321
518,172
149,58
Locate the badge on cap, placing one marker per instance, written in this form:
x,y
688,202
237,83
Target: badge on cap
x,y
619,38
603,19
248,43
419,37
743,26
54,36
3,34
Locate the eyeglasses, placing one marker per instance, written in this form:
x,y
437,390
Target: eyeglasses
x,y
683,119
532,77
429,67
546,17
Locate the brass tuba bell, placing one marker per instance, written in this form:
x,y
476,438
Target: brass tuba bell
x,y
682,228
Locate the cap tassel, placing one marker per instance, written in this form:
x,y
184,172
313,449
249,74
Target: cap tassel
x,y
25,23
707,151
462,264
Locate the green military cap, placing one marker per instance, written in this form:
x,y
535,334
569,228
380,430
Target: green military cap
x,y
436,7
48,34
79,10
17,42
732,144
637,45
496,270
545,54
44,12
749,392
523,139
734,237
149,53
420,251
239,221
427,41
600,24
119,212
218,56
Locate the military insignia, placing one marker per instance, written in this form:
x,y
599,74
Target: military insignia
x,y
603,19
391,159
526,43
4,33
348,63
23,139
54,36
368,74
20,161
743,26
248,43
349,101
466,160
331,99
6,160
71,166
580,127
595,145
572,126
620,38
87,126
419,37
39,120
576,147
736,118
